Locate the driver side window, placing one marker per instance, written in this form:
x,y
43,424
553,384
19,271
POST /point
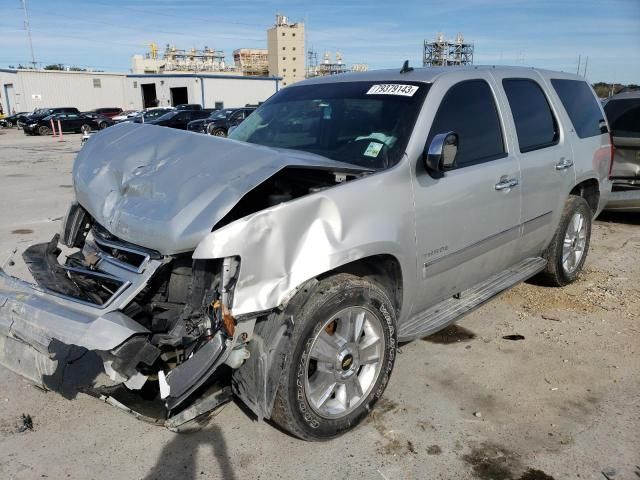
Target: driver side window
x,y
469,109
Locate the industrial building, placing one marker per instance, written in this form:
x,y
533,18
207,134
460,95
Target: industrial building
x,y
26,90
284,58
208,60
444,53
330,66
285,42
251,61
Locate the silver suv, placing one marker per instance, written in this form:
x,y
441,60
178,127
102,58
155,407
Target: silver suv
x,y
284,264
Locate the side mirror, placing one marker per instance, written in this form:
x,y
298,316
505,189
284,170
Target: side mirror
x,y
441,155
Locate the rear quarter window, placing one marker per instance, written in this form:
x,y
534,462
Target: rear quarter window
x,y
581,105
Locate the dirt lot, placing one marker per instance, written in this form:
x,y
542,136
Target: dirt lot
x,y
564,402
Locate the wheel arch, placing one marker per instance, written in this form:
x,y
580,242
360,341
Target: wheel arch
x,y
383,269
589,189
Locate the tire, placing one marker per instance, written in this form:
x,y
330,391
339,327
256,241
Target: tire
x,y
306,404
103,125
8,124
85,128
43,130
568,250
218,132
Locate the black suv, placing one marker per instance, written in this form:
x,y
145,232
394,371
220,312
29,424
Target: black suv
x,y
149,115
220,122
179,118
45,112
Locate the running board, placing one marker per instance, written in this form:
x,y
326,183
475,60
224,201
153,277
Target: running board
x,y
448,311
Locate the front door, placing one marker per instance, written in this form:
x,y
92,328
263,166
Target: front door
x,y
467,222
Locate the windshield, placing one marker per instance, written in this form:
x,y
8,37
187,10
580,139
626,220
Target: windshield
x,y
363,123
167,116
152,114
220,114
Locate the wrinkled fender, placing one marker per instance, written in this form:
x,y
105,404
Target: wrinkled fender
x,y
283,246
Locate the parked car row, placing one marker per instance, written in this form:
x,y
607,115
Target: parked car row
x,y
192,117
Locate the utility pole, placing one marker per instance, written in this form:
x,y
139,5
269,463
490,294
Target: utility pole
x,y
578,71
586,62
27,27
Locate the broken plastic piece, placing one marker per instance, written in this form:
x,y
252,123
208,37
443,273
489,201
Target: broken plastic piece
x,y
165,389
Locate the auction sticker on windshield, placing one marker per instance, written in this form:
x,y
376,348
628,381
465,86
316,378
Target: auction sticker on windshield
x,y
393,89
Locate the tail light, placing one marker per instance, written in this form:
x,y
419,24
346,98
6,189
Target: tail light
x,y
613,152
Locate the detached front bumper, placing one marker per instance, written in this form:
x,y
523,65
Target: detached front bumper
x,y
43,332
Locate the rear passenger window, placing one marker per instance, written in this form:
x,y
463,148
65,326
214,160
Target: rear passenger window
x,y
535,124
469,109
581,105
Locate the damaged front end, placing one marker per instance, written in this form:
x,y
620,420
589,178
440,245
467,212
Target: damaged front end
x,y
158,324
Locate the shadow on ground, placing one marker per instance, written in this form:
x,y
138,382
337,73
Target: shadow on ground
x,y
179,458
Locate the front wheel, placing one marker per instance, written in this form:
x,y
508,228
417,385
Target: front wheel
x,y
568,250
343,351
218,132
44,130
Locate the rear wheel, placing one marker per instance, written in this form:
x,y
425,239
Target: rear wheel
x,y
85,128
103,125
44,130
568,250
343,351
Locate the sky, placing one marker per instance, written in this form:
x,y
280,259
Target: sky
x,y
104,34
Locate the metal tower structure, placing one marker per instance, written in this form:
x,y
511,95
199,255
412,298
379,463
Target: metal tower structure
x,y
27,27
444,53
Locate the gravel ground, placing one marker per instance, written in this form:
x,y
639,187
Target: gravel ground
x,y
463,404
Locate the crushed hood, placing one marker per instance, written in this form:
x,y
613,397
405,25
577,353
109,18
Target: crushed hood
x,y
165,189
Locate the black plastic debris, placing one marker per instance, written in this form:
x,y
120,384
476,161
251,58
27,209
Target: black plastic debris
x,y
27,423
513,337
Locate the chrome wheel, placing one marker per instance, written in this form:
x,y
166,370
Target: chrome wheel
x,y
344,362
575,240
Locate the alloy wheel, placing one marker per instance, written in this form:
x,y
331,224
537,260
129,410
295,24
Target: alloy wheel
x,y
344,362
575,240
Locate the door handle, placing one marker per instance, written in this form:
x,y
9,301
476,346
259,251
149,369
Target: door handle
x,y
506,183
564,163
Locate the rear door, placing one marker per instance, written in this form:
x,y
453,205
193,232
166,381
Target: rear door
x,y
545,156
467,222
73,122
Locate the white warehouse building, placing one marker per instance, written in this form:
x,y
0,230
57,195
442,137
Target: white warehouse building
x,y
26,90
